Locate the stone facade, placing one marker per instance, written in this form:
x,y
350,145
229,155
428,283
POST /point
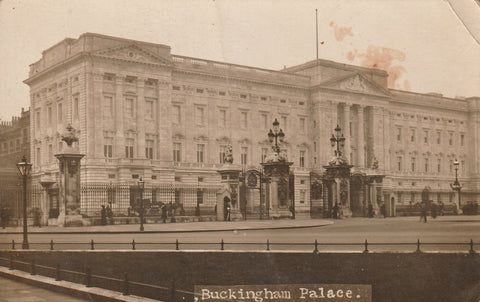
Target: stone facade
x,y
141,111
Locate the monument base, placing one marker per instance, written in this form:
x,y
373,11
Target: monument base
x,y
72,221
236,216
280,214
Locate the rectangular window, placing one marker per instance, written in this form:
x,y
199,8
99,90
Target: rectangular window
x,y
425,137
302,158
176,115
60,146
462,167
49,115
149,149
243,120
413,164
107,105
302,124
450,138
149,109
200,116
199,196
283,123
221,154
177,152
60,112
426,165
108,77
75,107
108,147
399,134
264,121
264,154
462,139
38,118
129,148
222,118
39,157
129,102
412,135
244,153
439,137
200,153
314,146
50,153
399,163
450,164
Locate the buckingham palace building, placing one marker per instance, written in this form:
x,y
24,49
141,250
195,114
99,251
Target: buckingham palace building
x,y
140,111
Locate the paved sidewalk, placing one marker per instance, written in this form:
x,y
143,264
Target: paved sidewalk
x,y
177,227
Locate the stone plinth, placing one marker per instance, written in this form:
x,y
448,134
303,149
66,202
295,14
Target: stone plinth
x,y
337,179
228,196
69,189
279,204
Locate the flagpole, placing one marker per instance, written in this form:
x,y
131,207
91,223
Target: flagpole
x,y
316,29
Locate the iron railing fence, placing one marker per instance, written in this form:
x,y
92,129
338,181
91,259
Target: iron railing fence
x,y
11,201
315,246
124,199
121,284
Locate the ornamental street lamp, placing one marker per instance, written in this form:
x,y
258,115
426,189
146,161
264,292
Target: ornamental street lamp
x,y
24,169
276,134
141,186
456,186
338,140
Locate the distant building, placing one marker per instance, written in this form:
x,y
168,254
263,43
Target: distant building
x,y
141,111
14,144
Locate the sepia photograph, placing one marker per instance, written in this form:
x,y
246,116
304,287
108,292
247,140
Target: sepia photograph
x,y
240,150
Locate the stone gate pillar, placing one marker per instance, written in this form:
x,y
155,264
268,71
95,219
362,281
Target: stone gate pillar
x,y
278,172
69,183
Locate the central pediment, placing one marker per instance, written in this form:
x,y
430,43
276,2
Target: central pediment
x,y
355,82
134,53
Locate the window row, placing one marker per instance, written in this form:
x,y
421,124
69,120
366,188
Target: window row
x,y
59,113
429,165
428,136
223,116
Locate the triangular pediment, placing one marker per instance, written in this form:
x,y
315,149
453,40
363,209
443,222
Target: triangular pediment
x,y
355,82
134,53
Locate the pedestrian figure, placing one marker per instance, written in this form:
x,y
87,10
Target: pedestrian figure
x,y
4,215
109,214
164,213
103,214
383,210
434,210
37,214
335,211
441,208
423,211
370,210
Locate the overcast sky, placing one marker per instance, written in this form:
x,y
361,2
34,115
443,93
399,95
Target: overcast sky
x,y
424,45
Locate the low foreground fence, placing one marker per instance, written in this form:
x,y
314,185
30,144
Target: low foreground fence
x,y
173,275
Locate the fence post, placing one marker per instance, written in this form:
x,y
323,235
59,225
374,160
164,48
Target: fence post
x,y
366,246
177,245
315,251
133,244
92,245
13,244
88,277
126,285
222,245
268,244
51,245
11,262
418,246
32,272
57,272
472,251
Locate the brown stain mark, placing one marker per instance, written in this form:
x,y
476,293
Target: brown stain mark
x,y
341,32
385,59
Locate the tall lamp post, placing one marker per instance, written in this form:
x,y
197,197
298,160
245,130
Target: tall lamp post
x,y
456,186
338,140
24,168
277,135
141,186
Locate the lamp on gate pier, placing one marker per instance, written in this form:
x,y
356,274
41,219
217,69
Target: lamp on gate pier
x,y
277,135
141,186
24,168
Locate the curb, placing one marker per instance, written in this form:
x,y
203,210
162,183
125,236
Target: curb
x,y
70,288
